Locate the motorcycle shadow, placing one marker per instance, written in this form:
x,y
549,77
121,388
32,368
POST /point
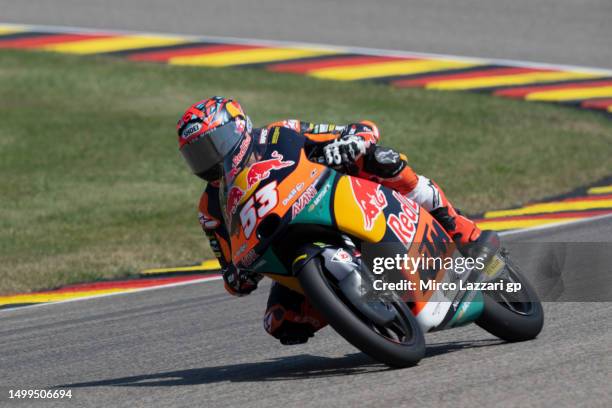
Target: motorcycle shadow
x,y
436,349
296,367
303,366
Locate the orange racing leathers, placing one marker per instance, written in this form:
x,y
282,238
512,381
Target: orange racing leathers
x,y
289,316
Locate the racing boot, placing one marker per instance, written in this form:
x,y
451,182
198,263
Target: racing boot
x,y
290,317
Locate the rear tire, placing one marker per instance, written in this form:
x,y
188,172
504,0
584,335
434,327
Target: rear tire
x,y
517,321
354,328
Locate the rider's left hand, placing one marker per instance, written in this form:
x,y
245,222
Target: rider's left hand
x,y
344,151
240,282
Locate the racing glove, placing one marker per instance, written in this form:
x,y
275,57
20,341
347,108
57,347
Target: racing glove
x,y
240,282
344,151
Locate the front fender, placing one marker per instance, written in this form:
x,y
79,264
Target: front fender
x,y
336,260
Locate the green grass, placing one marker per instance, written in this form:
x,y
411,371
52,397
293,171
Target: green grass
x,y
93,187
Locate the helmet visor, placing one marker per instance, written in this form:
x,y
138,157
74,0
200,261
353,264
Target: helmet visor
x,y
209,149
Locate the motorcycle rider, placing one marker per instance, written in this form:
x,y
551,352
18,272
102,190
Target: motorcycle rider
x,y
213,128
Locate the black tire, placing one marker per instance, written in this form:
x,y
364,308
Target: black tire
x,y
354,328
505,320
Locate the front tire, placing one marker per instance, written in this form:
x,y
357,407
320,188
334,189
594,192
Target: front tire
x,y
356,329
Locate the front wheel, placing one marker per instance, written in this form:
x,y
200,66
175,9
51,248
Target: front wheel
x,y
399,342
513,319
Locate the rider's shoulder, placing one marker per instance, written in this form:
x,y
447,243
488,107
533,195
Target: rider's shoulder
x,y
292,124
272,132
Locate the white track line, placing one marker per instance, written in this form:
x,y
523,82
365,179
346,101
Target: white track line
x,y
298,44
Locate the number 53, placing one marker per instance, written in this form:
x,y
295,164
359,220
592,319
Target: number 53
x,y
266,198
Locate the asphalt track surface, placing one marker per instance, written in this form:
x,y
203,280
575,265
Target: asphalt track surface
x,y
196,346
574,32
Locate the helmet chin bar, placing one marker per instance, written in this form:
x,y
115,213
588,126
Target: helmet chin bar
x,y
213,174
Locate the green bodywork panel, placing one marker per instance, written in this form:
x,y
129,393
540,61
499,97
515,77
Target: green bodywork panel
x,y
318,211
269,263
468,310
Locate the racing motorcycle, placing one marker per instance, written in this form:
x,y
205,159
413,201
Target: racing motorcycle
x,y
305,225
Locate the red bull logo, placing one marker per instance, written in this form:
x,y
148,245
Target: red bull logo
x,y
371,200
233,199
404,224
261,170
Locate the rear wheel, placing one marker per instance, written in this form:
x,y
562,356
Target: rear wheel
x,y
398,342
513,317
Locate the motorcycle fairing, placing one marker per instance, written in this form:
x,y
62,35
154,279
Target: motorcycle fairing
x,y
276,186
375,214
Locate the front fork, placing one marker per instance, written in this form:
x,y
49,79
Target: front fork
x,y
345,267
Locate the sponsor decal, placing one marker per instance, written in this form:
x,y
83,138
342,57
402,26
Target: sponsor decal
x,y
207,222
244,146
261,170
293,192
387,156
233,199
303,201
191,129
405,222
263,136
249,258
342,256
322,128
370,198
318,198
240,125
293,124
275,135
